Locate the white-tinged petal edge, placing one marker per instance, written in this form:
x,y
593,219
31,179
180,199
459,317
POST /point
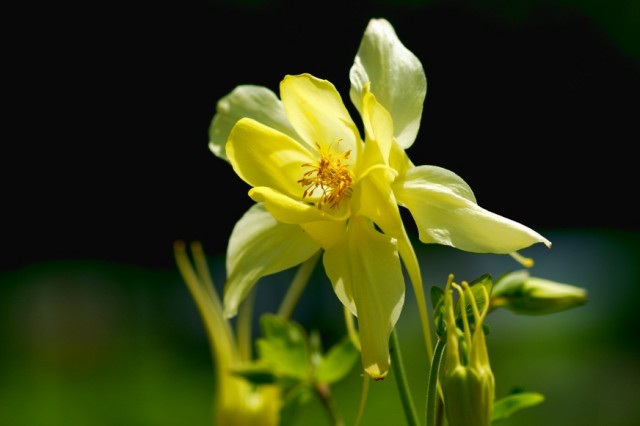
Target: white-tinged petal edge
x,y
256,102
260,246
445,216
396,75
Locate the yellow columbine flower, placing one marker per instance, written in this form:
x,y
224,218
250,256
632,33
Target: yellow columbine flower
x,y
330,188
318,185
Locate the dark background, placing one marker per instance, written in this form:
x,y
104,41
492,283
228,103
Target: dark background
x,y
534,104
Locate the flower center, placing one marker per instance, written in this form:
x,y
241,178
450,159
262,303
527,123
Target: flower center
x,y
331,176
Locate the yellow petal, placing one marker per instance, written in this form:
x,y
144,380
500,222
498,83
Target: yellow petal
x,y
262,156
326,233
289,210
374,199
364,269
378,128
315,109
399,160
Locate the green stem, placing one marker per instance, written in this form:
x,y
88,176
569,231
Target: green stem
x,y
243,332
324,393
413,268
432,385
351,328
401,381
440,413
298,284
363,398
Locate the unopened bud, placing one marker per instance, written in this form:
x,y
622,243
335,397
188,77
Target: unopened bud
x,y
523,294
468,384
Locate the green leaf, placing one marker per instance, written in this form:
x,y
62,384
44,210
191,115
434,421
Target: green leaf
x,y
315,348
486,329
284,347
338,362
508,405
437,294
476,291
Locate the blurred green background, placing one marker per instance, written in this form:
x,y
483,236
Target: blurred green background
x,y
534,103
96,343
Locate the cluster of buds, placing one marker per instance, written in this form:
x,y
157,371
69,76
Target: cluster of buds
x,y
468,383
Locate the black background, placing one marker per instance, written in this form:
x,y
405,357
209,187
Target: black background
x,y
106,151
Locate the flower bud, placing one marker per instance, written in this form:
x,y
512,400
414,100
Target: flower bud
x,y
523,294
238,402
468,383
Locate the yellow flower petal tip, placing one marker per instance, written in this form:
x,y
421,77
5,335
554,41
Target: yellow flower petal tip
x,y
374,372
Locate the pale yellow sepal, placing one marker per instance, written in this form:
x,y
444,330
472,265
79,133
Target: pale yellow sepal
x,y
256,102
396,76
446,213
259,246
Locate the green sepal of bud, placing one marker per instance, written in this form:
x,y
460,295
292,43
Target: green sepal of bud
x,y
478,291
437,302
468,395
523,294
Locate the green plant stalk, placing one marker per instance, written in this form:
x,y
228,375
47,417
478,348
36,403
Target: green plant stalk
x,y
287,306
324,392
243,331
297,286
413,269
401,381
363,398
432,384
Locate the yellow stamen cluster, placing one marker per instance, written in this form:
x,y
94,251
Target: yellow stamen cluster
x,y
331,175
